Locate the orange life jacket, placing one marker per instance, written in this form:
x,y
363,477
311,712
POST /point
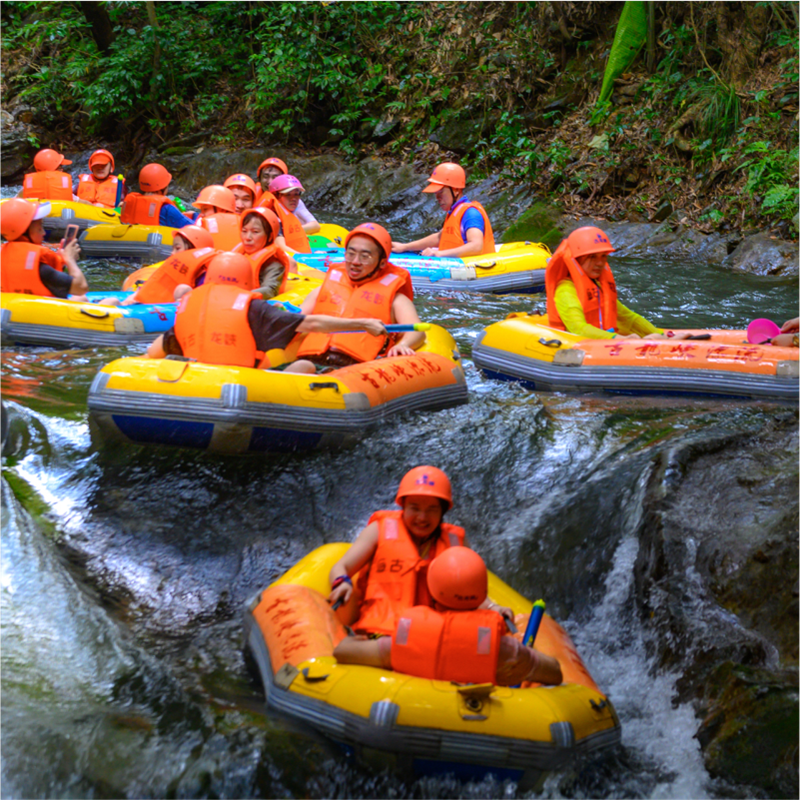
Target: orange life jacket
x,y
451,232
264,256
141,209
461,646
599,300
94,191
397,577
47,185
183,267
211,326
224,229
263,198
293,232
340,297
20,272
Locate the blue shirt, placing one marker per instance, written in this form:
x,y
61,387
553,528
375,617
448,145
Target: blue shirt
x,y
171,217
472,218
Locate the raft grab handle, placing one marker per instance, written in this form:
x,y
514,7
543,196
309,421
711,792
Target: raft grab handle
x,y
324,385
550,342
485,266
94,313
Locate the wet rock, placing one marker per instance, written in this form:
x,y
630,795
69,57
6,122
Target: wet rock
x,y
750,721
716,576
662,212
763,255
461,134
542,222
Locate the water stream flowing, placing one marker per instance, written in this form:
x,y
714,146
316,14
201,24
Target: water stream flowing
x,y
125,570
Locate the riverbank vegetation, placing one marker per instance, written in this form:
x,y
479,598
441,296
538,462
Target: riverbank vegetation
x,y
704,119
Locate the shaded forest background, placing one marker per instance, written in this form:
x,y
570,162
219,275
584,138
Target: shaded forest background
x,y
705,118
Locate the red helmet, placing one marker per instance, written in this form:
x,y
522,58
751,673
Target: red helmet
x,y
154,178
284,183
376,233
101,157
447,174
217,196
196,236
17,214
270,218
231,269
48,159
457,578
272,162
588,240
428,481
241,181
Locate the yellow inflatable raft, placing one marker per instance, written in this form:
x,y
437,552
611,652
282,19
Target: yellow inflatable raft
x,y
72,212
714,363
386,717
241,410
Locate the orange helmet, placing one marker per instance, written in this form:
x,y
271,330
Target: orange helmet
x,y
274,162
457,578
270,218
153,178
101,157
217,196
242,182
428,481
48,160
195,235
17,214
447,174
588,240
231,269
376,233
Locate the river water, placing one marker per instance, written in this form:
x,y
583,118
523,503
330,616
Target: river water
x,y
124,576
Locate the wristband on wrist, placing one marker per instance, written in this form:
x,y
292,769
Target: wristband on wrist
x,y
340,580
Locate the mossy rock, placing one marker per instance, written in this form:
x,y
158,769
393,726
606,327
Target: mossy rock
x,y
542,222
750,734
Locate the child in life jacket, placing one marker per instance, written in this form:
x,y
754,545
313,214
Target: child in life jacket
x,y
467,230
455,640
394,551
49,181
101,188
28,266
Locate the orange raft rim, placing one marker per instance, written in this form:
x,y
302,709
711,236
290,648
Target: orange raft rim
x,y
389,718
524,348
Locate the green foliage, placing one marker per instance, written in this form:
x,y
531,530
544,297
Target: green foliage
x,y
630,35
772,173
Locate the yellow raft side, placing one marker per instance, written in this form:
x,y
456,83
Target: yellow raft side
x,y
178,379
61,313
127,232
512,257
525,714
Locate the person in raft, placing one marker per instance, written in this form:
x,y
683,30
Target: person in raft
x,y
258,235
192,250
365,285
100,187
455,640
244,191
467,230
49,181
224,322
285,191
268,170
582,294
218,215
397,548
28,266
151,206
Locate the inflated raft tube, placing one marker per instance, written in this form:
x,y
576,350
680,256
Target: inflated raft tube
x,y
516,268
720,364
242,410
148,243
53,322
70,212
417,724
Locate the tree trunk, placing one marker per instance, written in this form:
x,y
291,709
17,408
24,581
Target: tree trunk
x,y
153,20
741,29
102,29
